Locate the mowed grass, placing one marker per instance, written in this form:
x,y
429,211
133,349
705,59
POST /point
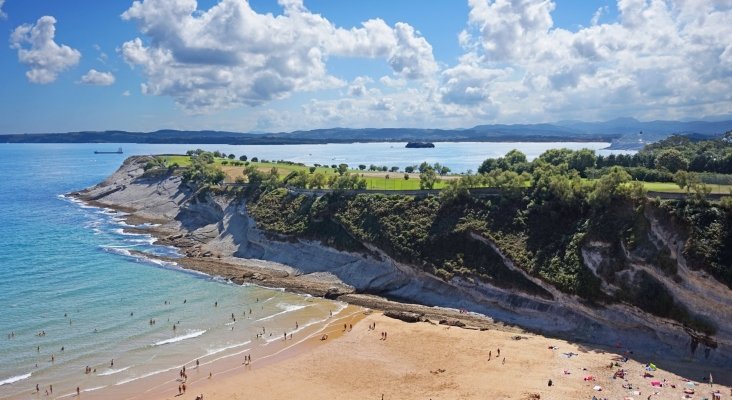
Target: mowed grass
x,y
671,187
374,180
395,180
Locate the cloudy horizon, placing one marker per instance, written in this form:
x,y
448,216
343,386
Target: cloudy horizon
x,y
291,65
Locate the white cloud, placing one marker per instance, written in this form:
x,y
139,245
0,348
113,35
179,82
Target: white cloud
x,y
2,14
126,93
94,77
44,57
230,55
598,14
388,81
661,59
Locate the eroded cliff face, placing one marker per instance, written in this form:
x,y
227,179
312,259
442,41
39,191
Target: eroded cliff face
x,y
208,225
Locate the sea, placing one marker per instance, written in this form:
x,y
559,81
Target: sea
x,y
73,294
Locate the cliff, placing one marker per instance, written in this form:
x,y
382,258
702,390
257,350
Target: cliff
x,y
623,277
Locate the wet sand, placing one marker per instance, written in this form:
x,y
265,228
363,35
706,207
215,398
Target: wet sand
x,y
426,361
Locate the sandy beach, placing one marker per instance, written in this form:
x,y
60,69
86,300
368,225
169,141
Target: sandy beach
x,y
426,361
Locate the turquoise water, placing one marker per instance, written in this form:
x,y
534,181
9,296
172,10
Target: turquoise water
x,y
67,271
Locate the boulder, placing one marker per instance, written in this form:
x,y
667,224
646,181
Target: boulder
x,y
404,316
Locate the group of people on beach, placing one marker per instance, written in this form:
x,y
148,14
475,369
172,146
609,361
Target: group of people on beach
x,y
151,322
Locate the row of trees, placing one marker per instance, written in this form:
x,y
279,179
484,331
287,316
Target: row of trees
x,y
656,166
301,179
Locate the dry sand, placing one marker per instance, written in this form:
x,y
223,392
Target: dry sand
x,y
425,361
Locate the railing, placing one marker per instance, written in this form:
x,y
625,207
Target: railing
x,y
480,192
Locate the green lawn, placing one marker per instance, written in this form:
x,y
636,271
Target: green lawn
x,y
396,181
671,187
374,180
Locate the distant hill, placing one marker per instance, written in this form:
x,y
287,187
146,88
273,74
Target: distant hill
x,y
622,132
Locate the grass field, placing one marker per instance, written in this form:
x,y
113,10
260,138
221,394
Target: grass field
x,y
379,180
374,180
671,187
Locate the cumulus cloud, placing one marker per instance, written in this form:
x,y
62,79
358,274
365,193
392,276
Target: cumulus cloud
x,y
661,59
94,77
230,55
2,14
40,53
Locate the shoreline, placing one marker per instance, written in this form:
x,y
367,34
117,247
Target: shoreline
x,y
278,276
273,275
205,252
421,360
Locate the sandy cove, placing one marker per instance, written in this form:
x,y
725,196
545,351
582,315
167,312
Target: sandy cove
x,y
430,361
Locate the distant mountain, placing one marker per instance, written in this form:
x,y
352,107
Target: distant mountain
x,y
622,132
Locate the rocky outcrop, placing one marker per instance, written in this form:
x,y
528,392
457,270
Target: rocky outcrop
x,y
207,226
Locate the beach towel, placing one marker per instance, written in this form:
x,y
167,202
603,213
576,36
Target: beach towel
x,y
597,388
656,383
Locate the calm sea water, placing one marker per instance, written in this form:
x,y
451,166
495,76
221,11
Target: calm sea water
x,y
67,271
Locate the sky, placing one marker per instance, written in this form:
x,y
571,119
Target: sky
x,y
284,65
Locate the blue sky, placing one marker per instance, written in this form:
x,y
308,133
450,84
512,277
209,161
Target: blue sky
x,y
227,64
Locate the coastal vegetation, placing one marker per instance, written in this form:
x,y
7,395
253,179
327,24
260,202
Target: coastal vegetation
x,y
546,219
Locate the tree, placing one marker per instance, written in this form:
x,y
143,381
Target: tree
x,y
616,183
255,159
556,156
681,178
243,158
298,179
348,182
427,178
409,169
317,181
361,167
423,167
514,157
581,160
342,168
231,156
444,170
394,169
671,160
488,165
312,170
406,177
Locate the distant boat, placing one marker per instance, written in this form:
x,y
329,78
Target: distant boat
x,y
119,151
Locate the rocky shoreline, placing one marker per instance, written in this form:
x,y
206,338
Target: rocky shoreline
x,y
217,236
278,276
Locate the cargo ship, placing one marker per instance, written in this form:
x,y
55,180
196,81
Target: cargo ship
x,y
119,151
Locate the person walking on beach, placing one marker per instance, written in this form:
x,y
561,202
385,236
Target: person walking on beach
x,y
180,390
490,355
77,391
183,385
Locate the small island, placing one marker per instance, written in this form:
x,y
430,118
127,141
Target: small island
x,y
420,145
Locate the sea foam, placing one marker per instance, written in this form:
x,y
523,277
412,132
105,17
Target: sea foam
x,y
190,335
15,379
